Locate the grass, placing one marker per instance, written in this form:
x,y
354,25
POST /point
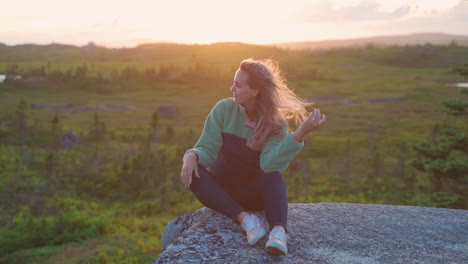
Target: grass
x,y
137,226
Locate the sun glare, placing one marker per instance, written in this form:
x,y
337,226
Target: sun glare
x,y
203,21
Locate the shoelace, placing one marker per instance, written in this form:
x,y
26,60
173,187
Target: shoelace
x,y
250,223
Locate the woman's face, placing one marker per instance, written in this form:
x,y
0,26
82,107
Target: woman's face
x,y
241,91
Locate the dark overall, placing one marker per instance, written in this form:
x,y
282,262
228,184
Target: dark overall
x,y
235,183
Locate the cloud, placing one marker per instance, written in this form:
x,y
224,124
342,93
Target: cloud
x,y
453,20
459,12
366,10
369,10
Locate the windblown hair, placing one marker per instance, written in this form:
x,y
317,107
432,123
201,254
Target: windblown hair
x,y
276,102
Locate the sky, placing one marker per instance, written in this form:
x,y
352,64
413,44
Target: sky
x,y
127,23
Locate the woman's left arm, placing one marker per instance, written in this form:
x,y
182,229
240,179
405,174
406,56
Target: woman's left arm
x,y
277,152
313,122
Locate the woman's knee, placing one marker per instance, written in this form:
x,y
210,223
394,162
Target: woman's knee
x,y
271,178
196,181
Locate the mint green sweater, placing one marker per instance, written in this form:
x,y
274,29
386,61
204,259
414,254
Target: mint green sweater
x,y
229,117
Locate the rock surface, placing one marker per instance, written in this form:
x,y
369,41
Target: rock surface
x,y
326,233
70,140
168,110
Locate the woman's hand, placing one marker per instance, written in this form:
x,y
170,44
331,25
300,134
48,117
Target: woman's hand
x,y
190,165
313,122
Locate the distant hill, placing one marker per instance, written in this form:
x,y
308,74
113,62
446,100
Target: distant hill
x,y
144,52
412,39
163,50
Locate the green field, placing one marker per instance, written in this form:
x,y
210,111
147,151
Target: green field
x,y
108,199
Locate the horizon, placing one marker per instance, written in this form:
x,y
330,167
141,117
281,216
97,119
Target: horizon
x,y
137,43
114,24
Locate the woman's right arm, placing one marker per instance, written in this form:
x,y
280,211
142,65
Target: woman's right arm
x,y
206,149
189,167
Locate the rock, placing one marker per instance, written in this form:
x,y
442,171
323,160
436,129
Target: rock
x,y
120,107
65,107
36,106
330,233
385,100
324,98
70,139
168,110
348,102
71,107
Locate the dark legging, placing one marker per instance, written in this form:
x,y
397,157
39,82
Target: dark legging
x,y
231,196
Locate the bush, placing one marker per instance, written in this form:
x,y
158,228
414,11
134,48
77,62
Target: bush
x,y
441,199
29,232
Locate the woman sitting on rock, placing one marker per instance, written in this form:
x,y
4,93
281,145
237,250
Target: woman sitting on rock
x,y
237,163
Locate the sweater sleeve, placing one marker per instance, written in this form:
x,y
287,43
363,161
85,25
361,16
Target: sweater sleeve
x,y
277,152
211,140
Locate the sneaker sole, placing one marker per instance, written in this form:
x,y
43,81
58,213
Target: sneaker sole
x,y
257,238
276,248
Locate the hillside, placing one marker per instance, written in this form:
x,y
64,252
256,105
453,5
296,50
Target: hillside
x,y
90,164
151,52
65,50
400,40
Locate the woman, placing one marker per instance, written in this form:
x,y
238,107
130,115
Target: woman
x,y
236,164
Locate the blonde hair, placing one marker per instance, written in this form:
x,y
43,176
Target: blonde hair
x,y
276,102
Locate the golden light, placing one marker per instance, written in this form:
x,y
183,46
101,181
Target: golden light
x,y
202,21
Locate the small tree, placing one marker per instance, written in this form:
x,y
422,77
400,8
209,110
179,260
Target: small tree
x,y
55,131
98,129
154,125
444,157
20,121
170,134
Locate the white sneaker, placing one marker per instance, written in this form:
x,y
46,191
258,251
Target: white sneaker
x,y
277,242
253,228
